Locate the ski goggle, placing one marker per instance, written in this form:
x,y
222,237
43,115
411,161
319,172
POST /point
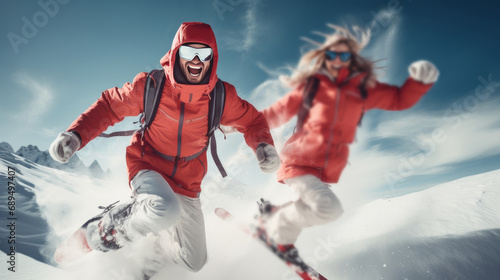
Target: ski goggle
x,y
344,56
188,53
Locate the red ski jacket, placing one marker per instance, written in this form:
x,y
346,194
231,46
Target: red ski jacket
x,y
181,122
321,147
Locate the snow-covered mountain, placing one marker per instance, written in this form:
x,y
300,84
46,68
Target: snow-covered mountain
x,y
32,153
450,231
96,170
4,146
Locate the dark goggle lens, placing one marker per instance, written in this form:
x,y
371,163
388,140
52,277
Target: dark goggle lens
x,y
188,53
344,56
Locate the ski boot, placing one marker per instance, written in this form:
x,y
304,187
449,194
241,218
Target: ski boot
x,y
105,231
286,252
266,209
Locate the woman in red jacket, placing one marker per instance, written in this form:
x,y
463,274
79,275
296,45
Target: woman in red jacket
x,y
317,152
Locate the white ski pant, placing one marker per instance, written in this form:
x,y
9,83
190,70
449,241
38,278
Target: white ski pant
x,y
316,205
160,209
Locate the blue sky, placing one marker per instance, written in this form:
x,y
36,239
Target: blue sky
x,y
77,49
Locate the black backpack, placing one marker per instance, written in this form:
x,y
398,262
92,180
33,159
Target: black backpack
x,y
152,96
309,93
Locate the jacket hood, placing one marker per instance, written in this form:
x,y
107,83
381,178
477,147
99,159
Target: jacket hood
x,y
191,32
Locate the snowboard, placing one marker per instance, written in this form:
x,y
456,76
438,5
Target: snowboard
x,y
302,270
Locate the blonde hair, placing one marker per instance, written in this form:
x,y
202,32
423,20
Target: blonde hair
x,y
311,62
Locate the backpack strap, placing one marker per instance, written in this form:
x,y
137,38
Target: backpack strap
x,y
362,88
153,89
152,95
364,95
118,133
310,91
216,108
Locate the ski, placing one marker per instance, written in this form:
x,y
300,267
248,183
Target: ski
x,y
303,270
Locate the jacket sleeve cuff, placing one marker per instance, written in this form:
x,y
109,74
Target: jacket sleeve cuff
x,y
78,136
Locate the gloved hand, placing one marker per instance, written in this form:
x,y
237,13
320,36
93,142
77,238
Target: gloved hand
x,y
227,129
423,71
65,145
268,158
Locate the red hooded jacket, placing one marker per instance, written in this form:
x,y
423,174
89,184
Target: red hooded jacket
x,y
181,122
321,147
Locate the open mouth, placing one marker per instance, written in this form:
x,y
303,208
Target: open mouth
x,y
194,70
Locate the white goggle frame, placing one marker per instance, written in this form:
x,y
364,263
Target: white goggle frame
x,y
188,53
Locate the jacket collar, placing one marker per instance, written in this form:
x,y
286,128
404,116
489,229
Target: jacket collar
x,y
345,76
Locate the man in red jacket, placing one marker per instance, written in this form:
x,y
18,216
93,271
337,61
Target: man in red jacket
x,y
166,193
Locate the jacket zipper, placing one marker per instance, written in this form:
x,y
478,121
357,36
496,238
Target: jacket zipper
x,y
179,140
330,139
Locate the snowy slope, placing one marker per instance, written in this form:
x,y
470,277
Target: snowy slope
x,y
450,231
31,269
